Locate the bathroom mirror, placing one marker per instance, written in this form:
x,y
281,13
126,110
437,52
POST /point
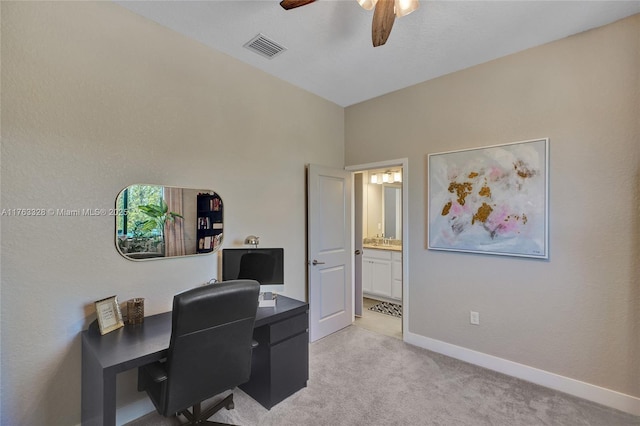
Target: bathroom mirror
x,y
392,208
157,222
384,211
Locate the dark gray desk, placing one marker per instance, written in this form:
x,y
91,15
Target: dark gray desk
x,y
280,364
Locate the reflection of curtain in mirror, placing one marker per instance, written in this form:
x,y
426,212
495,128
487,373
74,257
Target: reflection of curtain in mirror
x,y
174,231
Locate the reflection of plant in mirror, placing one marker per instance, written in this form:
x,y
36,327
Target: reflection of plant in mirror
x,y
139,240
159,215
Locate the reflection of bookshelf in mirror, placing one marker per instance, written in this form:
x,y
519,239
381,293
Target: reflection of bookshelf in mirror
x,y
209,224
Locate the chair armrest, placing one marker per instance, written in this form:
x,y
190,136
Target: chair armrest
x,y
156,372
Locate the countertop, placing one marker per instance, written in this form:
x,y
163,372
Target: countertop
x,y
382,247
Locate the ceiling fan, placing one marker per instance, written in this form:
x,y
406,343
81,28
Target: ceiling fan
x,y
383,17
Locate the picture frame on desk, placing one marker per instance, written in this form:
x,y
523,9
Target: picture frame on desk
x,y
266,300
109,314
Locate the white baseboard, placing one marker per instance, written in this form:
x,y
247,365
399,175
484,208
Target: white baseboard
x,y
600,395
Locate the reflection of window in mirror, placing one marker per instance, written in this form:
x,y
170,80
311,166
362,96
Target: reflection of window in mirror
x,y
130,199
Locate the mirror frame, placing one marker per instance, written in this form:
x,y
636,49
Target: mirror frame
x,y
197,214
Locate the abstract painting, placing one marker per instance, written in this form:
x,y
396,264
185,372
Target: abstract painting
x,y
491,200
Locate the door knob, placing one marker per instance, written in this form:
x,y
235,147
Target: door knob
x,y
357,252
315,262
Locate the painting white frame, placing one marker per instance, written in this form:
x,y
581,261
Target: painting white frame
x,y
490,200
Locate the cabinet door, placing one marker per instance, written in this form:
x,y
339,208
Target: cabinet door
x,y
396,289
396,286
289,367
381,277
367,274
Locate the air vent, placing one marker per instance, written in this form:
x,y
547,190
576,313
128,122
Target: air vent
x,y
261,45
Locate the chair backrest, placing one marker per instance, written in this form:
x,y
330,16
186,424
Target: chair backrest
x,y
256,266
210,348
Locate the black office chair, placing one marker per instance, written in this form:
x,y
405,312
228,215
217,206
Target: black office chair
x,y
209,351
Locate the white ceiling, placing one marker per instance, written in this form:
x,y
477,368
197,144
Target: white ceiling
x,y
329,50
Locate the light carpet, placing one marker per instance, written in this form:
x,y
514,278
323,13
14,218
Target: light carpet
x,y
362,378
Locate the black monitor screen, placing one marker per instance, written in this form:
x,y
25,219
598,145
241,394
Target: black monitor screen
x,y
264,265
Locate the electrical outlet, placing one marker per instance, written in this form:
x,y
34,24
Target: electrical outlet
x,y
474,318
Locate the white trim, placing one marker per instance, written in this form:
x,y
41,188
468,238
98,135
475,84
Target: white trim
x,y
610,398
353,238
380,165
405,246
404,163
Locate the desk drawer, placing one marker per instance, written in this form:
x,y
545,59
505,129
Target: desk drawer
x,y
290,327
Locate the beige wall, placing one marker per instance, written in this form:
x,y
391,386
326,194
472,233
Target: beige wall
x,y
373,209
95,98
578,314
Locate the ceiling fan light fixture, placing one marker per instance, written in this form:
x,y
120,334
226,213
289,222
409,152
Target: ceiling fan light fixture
x,y
405,7
367,4
292,4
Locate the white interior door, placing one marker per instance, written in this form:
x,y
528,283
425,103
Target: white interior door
x,y
357,242
330,251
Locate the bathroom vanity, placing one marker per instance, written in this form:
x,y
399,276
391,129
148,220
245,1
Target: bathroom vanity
x,y
382,273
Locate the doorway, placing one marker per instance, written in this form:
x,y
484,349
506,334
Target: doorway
x,y
381,247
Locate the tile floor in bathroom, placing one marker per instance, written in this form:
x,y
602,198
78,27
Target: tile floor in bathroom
x,y
377,322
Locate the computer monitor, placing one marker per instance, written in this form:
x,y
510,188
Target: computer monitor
x,y
265,265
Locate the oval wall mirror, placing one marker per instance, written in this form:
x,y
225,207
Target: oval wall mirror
x,y
157,222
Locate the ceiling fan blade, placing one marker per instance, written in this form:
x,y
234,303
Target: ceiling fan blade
x,y
383,19
292,4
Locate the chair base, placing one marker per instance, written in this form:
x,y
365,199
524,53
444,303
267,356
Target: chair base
x,y
198,417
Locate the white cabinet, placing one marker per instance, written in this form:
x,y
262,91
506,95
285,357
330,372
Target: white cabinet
x,y
367,273
396,275
382,273
381,277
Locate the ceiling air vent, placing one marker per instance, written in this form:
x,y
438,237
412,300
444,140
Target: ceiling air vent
x,y
261,45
